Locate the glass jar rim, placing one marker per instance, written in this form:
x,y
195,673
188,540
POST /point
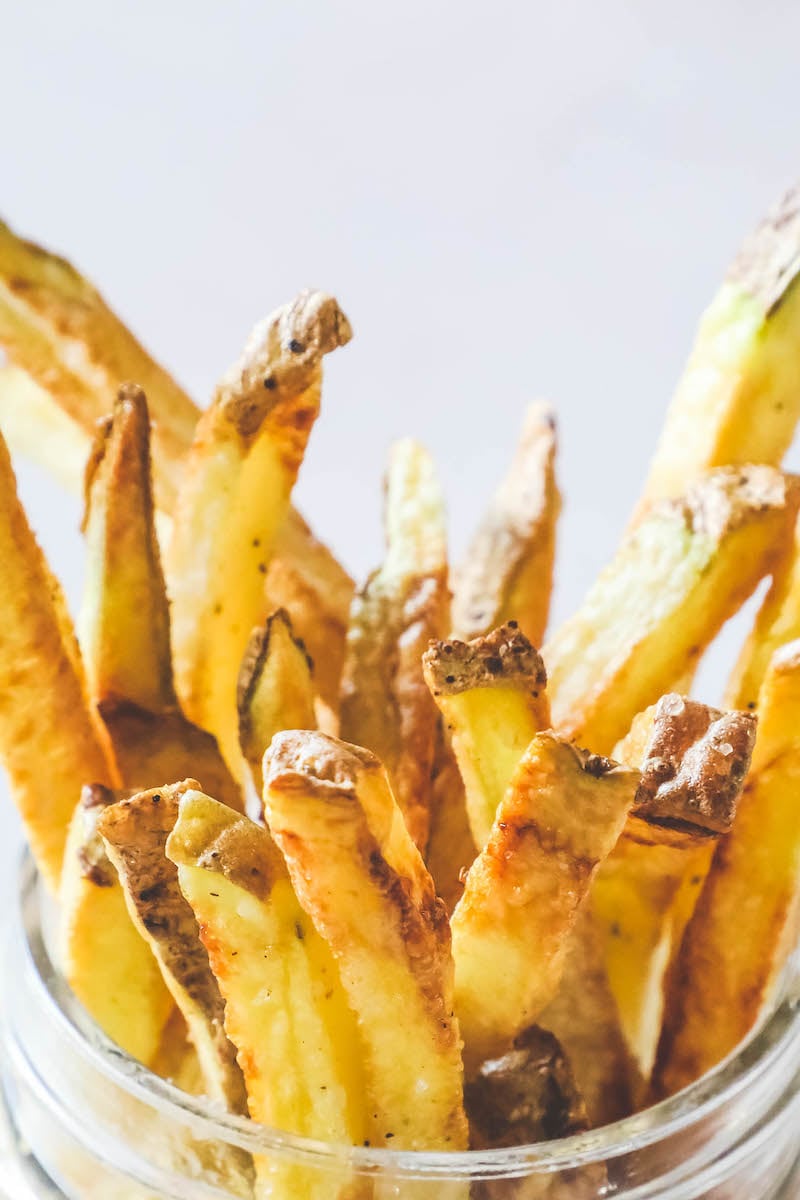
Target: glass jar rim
x,y
766,1044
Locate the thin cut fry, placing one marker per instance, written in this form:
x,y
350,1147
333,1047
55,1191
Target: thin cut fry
x,y
739,398
693,760
678,575
125,617
285,1009
742,926
491,694
106,963
55,325
360,878
234,498
507,574
274,692
135,832
385,704
560,817
51,743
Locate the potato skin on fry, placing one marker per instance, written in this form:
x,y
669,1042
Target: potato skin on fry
x,y
104,959
135,832
507,573
360,878
677,576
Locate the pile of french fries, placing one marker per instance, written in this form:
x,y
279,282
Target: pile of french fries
x,y
365,864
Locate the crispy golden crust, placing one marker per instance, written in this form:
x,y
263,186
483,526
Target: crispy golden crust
x,y
694,765
504,656
527,1095
769,261
279,363
508,568
135,832
331,812
92,857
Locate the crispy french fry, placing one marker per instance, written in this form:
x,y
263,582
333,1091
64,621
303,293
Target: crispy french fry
x,y
739,398
507,573
385,705
57,327
777,622
285,1009
361,880
233,499
678,575
135,832
560,817
42,692
35,427
125,625
584,1017
106,963
451,847
737,938
305,579
693,760
527,1095
491,694
274,692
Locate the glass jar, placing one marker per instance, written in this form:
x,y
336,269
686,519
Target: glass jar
x,y
86,1122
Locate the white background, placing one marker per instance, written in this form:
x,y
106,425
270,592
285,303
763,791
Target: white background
x,y
510,201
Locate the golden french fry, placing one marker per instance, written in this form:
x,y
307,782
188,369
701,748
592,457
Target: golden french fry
x,y
507,573
360,878
451,847
234,498
491,694
57,327
304,578
135,832
678,575
777,622
385,705
693,760
739,933
42,692
739,398
560,817
125,624
106,963
35,427
584,1017
274,692
285,1009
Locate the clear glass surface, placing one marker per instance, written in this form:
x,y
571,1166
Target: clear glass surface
x,y
86,1122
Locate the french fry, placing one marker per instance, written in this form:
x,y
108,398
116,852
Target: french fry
x,y
359,876
560,817
125,624
385,705
304,578
507,573
744,922
51,742
491,694
234,498
693,760
777,622
106,963
678,575
451,847
274,692
527,1095
135,832
57,327
739,398
36,428
285,1009
583,1015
